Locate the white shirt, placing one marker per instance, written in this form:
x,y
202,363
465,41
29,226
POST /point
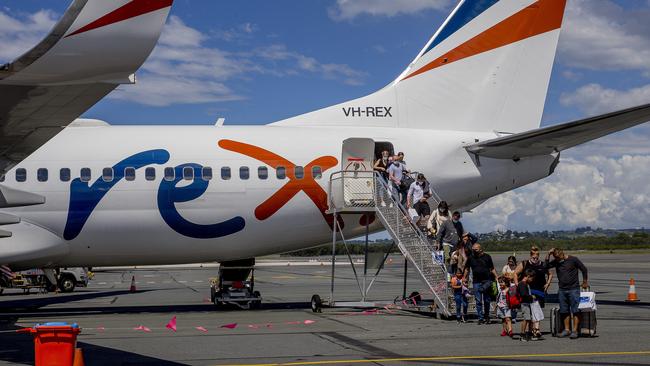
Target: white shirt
x,y
416,192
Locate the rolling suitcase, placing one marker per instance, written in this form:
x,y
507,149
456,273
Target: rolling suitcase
x,y
587,323
587,326
557,325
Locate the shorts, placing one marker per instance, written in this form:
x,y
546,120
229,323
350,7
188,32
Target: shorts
x,y
569,300
527,313
422,208
503,313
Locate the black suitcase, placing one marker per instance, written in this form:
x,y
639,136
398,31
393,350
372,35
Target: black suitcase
x,y
557,325
587,323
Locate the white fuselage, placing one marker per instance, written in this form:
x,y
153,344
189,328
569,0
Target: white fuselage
x,y
140,221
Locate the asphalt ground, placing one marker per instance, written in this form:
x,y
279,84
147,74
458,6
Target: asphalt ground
x,y
278,333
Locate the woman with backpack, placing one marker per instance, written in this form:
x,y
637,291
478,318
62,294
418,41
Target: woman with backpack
x,y
540,284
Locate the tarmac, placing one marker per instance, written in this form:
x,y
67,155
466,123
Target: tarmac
x,y
114,321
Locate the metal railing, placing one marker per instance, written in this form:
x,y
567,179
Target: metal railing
x,y
355,191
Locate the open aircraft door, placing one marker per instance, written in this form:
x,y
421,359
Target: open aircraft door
x,y
357,165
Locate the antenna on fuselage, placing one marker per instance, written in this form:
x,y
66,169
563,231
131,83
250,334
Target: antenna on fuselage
x,y
220,122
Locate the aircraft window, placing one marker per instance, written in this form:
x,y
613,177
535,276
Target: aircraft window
x,y
225,173
129,173
21,175
299,172
262,172
244,173
317,172
169,174
85,175
206,173
281,172
41,174
64,174
188,173
150,173
107,174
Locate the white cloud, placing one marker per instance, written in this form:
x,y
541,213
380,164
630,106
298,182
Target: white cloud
x,y
599,192
601,35
350,9
595,99
18,34
182,69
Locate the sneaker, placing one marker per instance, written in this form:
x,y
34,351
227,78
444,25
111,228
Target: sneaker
x,y
523,338
511,334
383,204
534,337
565,333
480,321
503,333
573,335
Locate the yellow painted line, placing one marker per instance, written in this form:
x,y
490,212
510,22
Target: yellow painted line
x,y
450,358
284,277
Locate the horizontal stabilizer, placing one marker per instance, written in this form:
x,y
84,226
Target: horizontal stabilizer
x,y
552,139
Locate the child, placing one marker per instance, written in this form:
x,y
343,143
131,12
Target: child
x,y
459,295
503,310
526,299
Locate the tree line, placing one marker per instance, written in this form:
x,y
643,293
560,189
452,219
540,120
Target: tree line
x,y
639,240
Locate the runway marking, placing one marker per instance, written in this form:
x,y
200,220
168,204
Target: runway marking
x,y
101,283
448,358
182,281
198,281
151,282
283,277
117,283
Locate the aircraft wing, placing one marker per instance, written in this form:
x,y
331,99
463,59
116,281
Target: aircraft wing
x,y
96,46
560,137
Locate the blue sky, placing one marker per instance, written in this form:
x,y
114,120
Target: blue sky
x,y
256,62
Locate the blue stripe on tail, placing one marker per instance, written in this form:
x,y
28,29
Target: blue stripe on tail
x,y
469,10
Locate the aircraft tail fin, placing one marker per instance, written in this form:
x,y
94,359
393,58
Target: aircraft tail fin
x,y
486,69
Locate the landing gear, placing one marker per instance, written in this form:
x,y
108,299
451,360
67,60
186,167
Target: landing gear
x,y
236,285
316,304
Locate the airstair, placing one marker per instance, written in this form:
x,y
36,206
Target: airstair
x,y
367,192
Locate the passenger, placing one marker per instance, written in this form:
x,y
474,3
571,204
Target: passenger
x,y
503,310
455,218
512,279
510,267
457,284
483,274
459,258
526,299
395,174
446,238
438,217
381,165
539,287
400,158
566,267
417,196
468,240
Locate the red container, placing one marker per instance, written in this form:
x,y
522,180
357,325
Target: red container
x,y
54,343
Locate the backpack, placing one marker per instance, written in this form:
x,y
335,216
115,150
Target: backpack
x,y
512,298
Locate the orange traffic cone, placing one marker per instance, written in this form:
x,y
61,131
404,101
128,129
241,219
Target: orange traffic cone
x,y
631,294
132,289
78,358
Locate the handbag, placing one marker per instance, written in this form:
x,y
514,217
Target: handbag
x,y
536,311
587,301
406,182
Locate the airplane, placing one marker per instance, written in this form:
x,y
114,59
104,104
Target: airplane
x,y
80,192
